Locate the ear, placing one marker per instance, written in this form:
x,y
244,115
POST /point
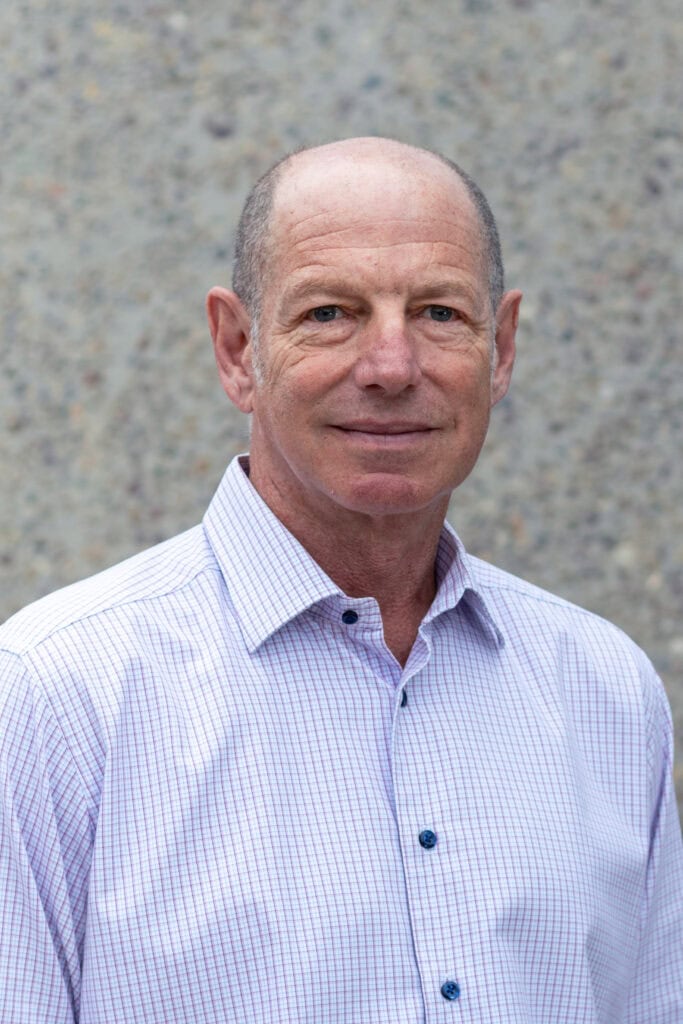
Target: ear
x,y
230,328
507,318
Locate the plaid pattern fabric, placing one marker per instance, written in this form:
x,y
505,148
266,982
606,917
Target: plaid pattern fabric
x,y
223,800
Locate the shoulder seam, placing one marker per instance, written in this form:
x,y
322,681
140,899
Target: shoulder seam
x,y
524,588
535,593
123,603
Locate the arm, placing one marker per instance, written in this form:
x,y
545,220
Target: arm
x,y
657,989
45,845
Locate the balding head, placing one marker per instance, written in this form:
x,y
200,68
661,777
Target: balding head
x,y
255,234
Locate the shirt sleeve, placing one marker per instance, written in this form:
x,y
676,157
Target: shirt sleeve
x,y
45,844
657,988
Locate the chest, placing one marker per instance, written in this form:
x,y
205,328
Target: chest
x,y
270,837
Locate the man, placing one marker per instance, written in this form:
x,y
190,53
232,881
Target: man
x,y
311,761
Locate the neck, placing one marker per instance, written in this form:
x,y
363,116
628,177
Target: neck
x,y
388,557
392,563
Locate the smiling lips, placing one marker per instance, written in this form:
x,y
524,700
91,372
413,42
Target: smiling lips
x,y
393,433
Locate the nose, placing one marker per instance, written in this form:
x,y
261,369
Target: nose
x,y
388,359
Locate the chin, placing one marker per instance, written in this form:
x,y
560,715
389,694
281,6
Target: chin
x,y
386,494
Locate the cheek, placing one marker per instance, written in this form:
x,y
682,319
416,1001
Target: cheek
x,y
307,378
285,357
284,404
467,387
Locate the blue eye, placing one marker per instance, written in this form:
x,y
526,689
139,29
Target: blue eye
x,y
442,314
323,314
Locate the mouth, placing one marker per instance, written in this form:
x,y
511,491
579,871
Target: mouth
x,y
391,427
394,433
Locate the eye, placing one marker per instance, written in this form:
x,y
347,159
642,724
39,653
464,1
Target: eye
x,y
324,314
441,314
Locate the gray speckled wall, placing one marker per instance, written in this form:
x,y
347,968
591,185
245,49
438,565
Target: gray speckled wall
x,y
130,134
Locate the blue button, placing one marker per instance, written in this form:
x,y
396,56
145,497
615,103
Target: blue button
x,y
349,617
450,990
404,699
427,839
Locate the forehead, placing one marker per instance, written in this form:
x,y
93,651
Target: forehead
x,y
327,205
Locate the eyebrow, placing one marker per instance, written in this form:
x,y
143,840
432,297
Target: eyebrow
x,y
433,289
306,288
445,288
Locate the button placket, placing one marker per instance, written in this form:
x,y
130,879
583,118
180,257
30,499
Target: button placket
x,y
423,868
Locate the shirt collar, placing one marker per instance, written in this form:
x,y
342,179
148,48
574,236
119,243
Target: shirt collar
x,y
271,578
456,581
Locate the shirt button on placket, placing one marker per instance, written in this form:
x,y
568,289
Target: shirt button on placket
x,y
349,617
450,990
427,839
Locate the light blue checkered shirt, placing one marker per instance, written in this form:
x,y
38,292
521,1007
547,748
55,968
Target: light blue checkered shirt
x,y
224,801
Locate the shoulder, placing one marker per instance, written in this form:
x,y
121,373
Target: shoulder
x,y
588,666
73,662
522,605
579,643
143,580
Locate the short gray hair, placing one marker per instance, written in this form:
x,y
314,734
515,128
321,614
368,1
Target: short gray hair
x,y
493,254
252,248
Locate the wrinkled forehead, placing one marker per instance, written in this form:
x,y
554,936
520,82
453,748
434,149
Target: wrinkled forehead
x,y
322,195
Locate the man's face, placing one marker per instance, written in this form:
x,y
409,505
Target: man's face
x,y
375,382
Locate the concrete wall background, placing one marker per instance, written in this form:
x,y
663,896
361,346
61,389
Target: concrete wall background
x,y
130,134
